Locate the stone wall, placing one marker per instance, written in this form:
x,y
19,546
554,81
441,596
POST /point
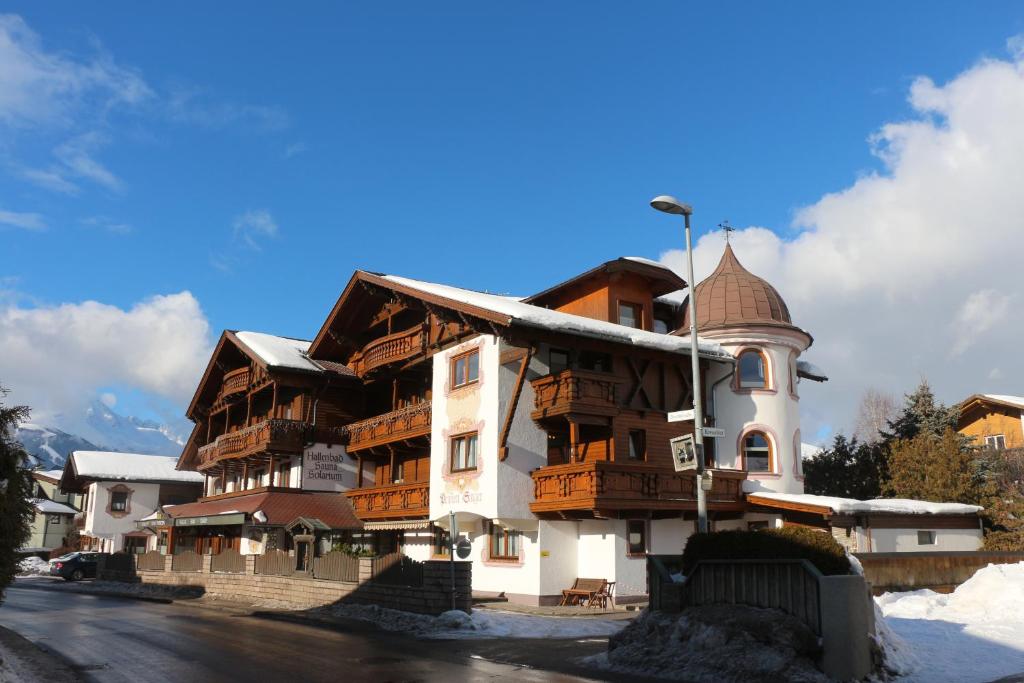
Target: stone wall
x,y
939,571
304,592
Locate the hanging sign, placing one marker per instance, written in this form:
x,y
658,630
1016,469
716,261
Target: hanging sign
x,y
327,468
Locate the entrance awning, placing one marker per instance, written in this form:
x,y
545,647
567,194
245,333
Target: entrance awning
x,y
392,526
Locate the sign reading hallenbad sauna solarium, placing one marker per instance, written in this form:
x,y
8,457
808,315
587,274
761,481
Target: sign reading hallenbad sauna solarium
x,y
327,468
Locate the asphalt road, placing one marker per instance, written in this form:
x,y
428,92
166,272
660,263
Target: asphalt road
x,y
112,640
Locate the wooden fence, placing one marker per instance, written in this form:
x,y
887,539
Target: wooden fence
x,y
229,561
940,571
336,566
276,562
151,561
187,561
397,570
791,586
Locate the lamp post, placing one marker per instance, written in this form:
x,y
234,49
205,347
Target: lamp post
x,y
671,205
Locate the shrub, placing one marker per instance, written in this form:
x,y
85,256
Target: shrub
x,y
1004,541
788,543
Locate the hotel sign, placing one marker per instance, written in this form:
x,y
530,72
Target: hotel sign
x,y
327,468
212,520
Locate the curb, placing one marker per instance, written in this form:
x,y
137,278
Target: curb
x,y
110,594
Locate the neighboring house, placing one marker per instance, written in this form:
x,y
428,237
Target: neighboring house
x,y
53,513
118,490
267,444
885,525
993,421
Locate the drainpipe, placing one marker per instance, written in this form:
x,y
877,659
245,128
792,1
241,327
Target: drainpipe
x,y
711,398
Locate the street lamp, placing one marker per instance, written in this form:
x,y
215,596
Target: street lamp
x,y
668,204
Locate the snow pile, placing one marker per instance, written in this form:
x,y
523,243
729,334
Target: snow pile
x,y
33,566
715,643
975,633
486,623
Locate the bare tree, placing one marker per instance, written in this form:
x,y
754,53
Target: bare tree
x,y
873,415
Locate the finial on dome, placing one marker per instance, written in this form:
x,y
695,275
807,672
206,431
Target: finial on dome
x,y
724,225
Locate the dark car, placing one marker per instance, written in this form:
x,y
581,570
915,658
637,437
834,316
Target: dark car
x,y
75,566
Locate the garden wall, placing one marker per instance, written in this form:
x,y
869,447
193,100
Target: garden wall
x,y
938,571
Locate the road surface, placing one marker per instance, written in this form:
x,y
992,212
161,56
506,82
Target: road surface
x,y
116,640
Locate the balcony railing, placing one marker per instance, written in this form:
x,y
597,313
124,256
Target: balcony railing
x,y
285,436
398,425
394,501
393,348
574,391
235,382
603,485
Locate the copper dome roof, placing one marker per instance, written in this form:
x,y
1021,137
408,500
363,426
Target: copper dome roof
x,y
733,296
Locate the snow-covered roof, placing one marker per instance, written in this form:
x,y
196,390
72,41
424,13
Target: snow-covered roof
x,y
849,506
810,371
110,466
1003,398
649,262
49,507
282,352
543,318
809,451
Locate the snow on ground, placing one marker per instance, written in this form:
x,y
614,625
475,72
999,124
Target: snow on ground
x,y
33,566
485,623
975,633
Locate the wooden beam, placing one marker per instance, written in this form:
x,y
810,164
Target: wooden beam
x,y
510,413
574,439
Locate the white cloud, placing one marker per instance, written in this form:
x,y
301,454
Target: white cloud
x,y
25,221
251,226
55,358
108,225
912,271
41,87
196,106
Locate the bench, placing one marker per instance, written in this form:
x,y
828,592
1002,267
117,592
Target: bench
x,y
583,589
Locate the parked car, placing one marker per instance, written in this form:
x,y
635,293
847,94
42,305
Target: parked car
x,y
75,566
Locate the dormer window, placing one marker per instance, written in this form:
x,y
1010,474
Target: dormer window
x,y
752,371
631,315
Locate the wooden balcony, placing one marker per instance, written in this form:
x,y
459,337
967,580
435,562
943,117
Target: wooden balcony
x,y
277,436
397,426
394,501
587,487
574,391
235,382
393,348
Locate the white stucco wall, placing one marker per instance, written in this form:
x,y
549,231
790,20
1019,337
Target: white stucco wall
x,y
558,561
775,412
668,536
905,540
99,523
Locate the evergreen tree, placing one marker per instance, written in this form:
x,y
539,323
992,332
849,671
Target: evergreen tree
x,y
921,413
15,489
1003,498
849,469
937,469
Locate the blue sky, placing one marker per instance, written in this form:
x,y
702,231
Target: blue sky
x,y
271,152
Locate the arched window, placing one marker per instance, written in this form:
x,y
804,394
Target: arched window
x,y
752,370
757,452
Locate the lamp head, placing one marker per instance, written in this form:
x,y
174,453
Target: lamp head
x,y
669,204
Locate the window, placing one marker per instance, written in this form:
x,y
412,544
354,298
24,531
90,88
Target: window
x,y
757,453
464,452
996,441
636,537
558,360
757,526
282,474
926,538
118,501
504,543
637,444
630,315
441,541
398,474
752,370
593,360
465,368
661,326
53,519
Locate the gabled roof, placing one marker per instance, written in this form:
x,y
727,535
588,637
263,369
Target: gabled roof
x,y
86,466
1016,402
269,351
511,312
51,476
662,278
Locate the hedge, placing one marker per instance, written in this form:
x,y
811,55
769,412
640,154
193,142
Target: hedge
x,y
787,543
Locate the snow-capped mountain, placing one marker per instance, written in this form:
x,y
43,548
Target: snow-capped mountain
x,y
100,429
48,447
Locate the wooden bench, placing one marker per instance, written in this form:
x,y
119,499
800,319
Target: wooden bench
x,y
582,589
